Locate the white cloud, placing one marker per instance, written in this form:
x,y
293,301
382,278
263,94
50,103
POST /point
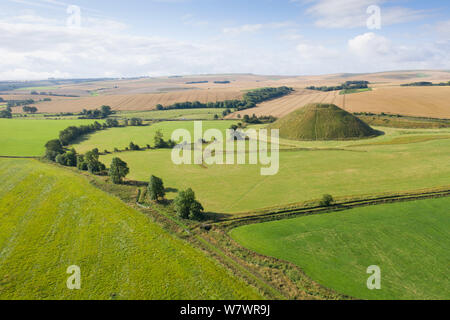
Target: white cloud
x,y
353,13
251,28
247,28
316,52
377,52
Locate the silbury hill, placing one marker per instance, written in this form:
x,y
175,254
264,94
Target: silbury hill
x,y
322,122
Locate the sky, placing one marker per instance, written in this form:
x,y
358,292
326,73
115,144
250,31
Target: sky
x,y
40,39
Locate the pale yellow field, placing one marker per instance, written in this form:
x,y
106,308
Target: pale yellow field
x,y
137,101
412,101
146,93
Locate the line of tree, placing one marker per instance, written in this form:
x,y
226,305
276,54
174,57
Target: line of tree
x,y
70,134
87,162
101,113
195,82
426,84
258,120
19,103
6,114
28,109
345,86
249,100
160,143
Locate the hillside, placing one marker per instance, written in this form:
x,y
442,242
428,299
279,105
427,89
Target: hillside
x,y
322,122
51,218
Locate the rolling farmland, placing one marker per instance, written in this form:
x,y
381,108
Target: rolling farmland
x,y
417,101
408,241
136,102
65,221
27,138
303,175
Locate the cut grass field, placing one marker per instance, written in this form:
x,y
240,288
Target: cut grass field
x,y
27,138
37,88
409,241
337,168
52,218
351,91
121,137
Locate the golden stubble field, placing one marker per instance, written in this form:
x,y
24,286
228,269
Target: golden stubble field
x,y
146,93
411,101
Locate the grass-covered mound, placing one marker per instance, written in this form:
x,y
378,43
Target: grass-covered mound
x,y
322,122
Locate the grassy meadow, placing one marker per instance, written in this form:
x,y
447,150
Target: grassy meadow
x,y
52,218
397,161
408,241
27,138
121,137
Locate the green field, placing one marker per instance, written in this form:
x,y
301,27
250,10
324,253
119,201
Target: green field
x,y
351,91
20,137
408,241
37,88
121,137
52,218
204,114
400,165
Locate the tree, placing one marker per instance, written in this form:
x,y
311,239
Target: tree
x,y
156,188
327,200
159,107
136,122
159,140
52,149
118,170
105,111
5,114
28,109
91,159
134,147
81,164
187,207
112,123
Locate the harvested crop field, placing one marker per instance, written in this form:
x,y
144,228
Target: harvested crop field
x,y
411,101
138,101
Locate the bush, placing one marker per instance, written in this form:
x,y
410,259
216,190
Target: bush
x,y
327,200
187,207
156,188
118,170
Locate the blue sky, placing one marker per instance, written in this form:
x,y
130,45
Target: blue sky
x,y
168,37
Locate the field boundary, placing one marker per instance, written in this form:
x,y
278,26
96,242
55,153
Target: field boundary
x,y
284,213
